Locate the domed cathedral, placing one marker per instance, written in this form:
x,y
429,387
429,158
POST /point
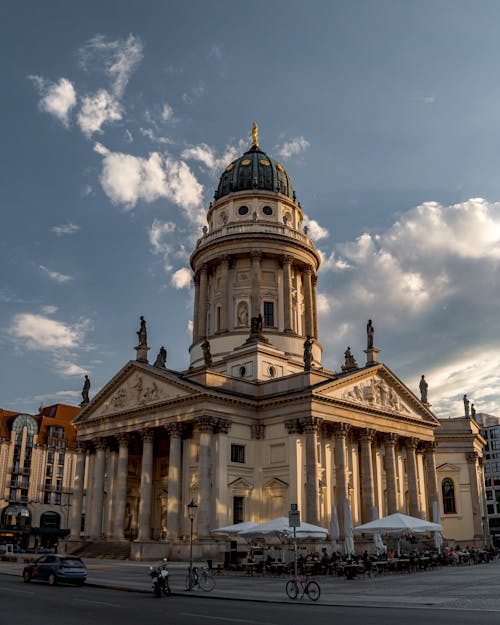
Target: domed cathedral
x,y
255,423
255,274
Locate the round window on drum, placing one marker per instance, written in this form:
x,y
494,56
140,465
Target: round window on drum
x,y
243,210
267,210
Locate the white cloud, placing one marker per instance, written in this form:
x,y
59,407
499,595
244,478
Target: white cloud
x,y
118,57
96,110
68,228
153,137
206,155
126,179
197,92
315,231
128,136
49,310
37,332
159,229
182,278
293,147
167,112
55,275
58,99
190,326
68,369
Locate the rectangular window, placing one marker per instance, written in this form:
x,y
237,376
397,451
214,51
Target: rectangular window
x,y
238,516
269,314
49,470
46,498
238,453
218,319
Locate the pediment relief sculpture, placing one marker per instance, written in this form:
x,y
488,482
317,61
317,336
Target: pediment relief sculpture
x,y
139,390
375,392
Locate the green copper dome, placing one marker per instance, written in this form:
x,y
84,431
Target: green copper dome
x,y
255,170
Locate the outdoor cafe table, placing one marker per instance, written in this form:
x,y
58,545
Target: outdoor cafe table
x,y
248,567
278,568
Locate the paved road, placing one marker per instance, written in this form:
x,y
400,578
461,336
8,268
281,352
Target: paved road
x,y
25,604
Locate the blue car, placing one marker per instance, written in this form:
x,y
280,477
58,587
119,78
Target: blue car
x,y
54,568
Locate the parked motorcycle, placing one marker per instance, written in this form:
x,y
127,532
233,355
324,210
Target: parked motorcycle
x,y
159,577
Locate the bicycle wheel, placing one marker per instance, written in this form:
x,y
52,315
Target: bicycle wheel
x,y
312,590
292,589
206,582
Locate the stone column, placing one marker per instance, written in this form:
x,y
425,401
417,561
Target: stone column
x,y
367,483
256,280
390,441
472,462
341,467
77,496
308,306
98,489
196,308
174,481
121,488
202,311
287,293
311,427
146,492
314,281
224,281
411,467
431,477
205,426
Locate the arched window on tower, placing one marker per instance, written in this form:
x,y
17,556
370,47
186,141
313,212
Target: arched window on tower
x,y
448,492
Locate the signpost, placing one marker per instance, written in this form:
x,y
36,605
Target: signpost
x,y
294,521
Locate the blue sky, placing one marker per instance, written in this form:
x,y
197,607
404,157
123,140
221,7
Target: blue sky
x,y
118,117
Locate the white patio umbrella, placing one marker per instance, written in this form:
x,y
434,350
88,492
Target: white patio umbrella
x,y
334,529
438,537
348,537
231,530
280,528
397,523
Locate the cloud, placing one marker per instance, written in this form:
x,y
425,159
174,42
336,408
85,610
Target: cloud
x,y
97,110
37,332
68,369
49,310
197,92
126,179
167,112
206,155
64,229
426,281
315,231
189,327
54,275
58,99
119,58
157,235
128,136
293,147
182,278
152,136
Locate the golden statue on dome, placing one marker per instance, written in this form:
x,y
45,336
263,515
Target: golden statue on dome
x,y
255,135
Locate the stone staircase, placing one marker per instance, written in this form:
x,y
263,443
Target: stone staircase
x,y
104,549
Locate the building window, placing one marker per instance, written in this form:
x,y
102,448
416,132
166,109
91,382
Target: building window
x,y
218,318
243,210
267,210
269,314
238,453
238,509
448,491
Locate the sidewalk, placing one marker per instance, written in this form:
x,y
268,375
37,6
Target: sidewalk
x,y
462,587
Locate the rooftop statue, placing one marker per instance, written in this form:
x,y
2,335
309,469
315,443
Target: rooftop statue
x,y
161,359
466,405
85,390
423,386
255,135
207,355
370,332
308,343
142,333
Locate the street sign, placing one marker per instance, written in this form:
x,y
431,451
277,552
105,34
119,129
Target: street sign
x,y
294,518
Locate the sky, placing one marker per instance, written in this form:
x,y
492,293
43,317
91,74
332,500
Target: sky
x,y
117,119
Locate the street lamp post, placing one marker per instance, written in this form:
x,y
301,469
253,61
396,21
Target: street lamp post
x,y
192,507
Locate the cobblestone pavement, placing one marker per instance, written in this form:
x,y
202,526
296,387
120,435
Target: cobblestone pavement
x,y
461,587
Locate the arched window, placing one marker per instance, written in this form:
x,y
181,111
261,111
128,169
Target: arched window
x,y
448,492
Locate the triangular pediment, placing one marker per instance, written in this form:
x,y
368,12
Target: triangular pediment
x,y
135,386
276,483
240,483
379,389
447,467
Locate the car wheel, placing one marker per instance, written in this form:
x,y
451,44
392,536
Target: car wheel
x,y
26,577
52,579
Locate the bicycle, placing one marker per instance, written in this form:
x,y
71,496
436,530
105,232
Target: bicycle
x,y
297,586
201,577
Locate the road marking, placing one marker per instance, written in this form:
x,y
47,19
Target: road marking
x,y
22,592
224,618
113,605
